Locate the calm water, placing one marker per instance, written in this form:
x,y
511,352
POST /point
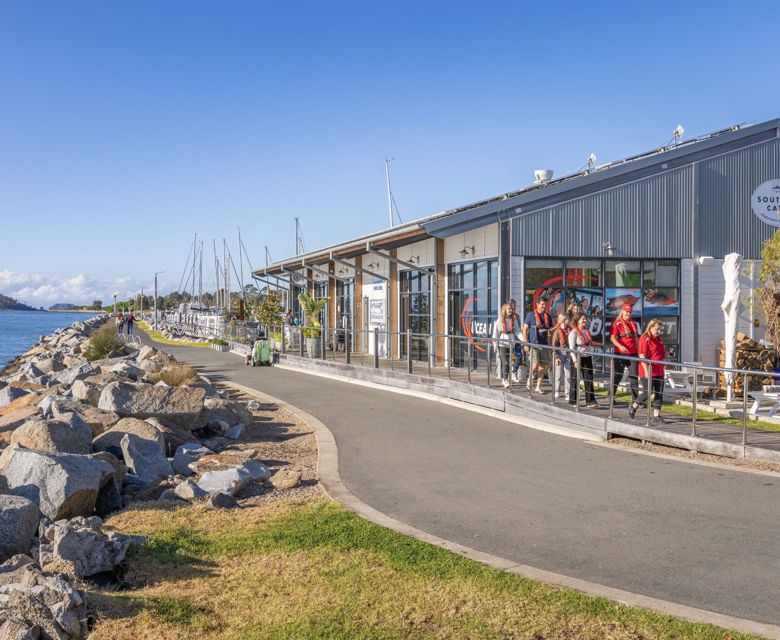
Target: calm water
x,y
19,330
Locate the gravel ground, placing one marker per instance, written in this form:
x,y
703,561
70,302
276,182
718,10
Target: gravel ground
x,y
757,465
282,441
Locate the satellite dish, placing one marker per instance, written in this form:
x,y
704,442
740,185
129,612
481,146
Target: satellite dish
x,y
541,176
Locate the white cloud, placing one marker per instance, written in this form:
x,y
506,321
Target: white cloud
x,y
42,290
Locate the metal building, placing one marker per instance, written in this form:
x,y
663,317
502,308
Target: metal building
x,y
651,230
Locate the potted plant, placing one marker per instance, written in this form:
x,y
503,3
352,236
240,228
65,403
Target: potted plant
x,y
270,313
312,332
218,344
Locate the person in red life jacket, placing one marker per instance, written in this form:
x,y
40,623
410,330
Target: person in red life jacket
x,y
625,338
506,332
536,330
581,340
560,338
651,347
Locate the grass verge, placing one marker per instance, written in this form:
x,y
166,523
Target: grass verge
x,y
316,570
159,337
701,416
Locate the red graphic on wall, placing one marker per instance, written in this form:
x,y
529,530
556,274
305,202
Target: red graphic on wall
x,y
467,321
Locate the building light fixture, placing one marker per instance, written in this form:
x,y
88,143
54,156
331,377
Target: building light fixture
x,y
373,265
414,259
466,251
607,246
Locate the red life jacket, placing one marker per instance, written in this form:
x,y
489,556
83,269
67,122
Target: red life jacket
x,y
627,334
503,322
563,335
585,341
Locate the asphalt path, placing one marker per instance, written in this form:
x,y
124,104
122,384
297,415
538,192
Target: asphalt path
x,y
690,534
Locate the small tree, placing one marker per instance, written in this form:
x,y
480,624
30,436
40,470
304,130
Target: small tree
x,y
769,293
97,305
269,312
312,307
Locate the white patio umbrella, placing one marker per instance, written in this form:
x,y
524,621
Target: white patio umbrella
x,y
732,264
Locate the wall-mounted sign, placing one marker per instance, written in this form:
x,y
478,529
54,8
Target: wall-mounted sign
x,y
766,202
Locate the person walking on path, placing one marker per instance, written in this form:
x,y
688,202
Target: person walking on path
x,y
536,332
651,347
506,332
581,340
518,360
624,336
560,338
120,321
129,321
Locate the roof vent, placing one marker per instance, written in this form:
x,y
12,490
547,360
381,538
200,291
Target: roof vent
x,y
542,176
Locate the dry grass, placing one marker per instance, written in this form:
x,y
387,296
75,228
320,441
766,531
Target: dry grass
x,y
103,341
175,375
315,570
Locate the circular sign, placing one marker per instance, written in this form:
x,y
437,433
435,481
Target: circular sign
x,y
766,202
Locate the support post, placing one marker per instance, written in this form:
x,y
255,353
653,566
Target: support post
x,y
376,347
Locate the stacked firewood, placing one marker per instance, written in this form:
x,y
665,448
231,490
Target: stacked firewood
x,y
750,355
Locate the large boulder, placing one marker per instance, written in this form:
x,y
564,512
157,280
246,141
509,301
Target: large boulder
x,y
61,435
86,391
231,481
14,419
10,393
227,411
97,419
81,547
145,458
173,435
63,485
185,455
18,523
77,372
22,402
39,605
111,440
180,405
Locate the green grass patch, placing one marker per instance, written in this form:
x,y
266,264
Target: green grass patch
x,y
157,336
316,570
701,416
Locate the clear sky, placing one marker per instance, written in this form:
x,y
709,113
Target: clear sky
x,y
126,127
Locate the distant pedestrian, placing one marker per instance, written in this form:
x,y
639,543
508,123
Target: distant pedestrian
x,y
651,347
625,338
506,332
536,332
288,317
581,340
129,321
120,321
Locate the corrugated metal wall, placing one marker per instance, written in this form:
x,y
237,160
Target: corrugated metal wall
x,y
652,217
724,185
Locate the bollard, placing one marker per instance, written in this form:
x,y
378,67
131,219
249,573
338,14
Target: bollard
x,y
408,351
376,347
300,343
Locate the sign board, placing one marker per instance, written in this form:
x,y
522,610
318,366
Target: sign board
x,y
765,202
376,312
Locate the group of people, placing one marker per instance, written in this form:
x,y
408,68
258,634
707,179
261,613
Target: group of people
x,y
570,331
125,322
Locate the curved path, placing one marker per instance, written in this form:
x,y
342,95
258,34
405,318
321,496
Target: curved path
x,y
697,535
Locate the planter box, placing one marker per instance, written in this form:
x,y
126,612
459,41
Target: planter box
x,y
219,347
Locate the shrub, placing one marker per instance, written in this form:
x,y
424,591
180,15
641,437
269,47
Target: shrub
x,y
102,342
175,375
219,342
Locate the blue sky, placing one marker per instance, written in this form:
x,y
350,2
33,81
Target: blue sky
x,y
127,127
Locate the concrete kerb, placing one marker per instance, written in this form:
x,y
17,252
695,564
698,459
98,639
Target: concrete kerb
x,y
330,479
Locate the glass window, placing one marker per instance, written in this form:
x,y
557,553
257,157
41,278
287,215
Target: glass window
x,y
583,273
482,275
616,298
661,301
623,273
666,273
542,272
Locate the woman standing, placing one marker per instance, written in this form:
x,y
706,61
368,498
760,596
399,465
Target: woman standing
x,y
651,347
120,321
581,340
506,332
560,338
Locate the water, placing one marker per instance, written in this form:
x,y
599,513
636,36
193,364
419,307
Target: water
x,y
20,330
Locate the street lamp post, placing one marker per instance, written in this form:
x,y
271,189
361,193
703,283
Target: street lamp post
x,y
115,304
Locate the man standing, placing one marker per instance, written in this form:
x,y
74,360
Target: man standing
x,y
625,338
538,324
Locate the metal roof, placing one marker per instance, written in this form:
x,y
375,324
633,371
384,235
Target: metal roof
x,y
539,196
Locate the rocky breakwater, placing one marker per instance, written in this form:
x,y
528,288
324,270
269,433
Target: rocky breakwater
x,y
84,434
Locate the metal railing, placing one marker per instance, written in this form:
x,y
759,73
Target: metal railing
x,y
473,356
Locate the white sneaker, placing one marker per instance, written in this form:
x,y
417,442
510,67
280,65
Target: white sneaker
x,y
505,383
516,377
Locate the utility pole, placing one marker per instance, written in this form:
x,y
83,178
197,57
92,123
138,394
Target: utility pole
x,y
389,191
297,237
200,275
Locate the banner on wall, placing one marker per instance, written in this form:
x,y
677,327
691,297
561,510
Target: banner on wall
x,y
376,312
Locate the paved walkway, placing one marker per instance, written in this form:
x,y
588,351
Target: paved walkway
x,y
692,534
